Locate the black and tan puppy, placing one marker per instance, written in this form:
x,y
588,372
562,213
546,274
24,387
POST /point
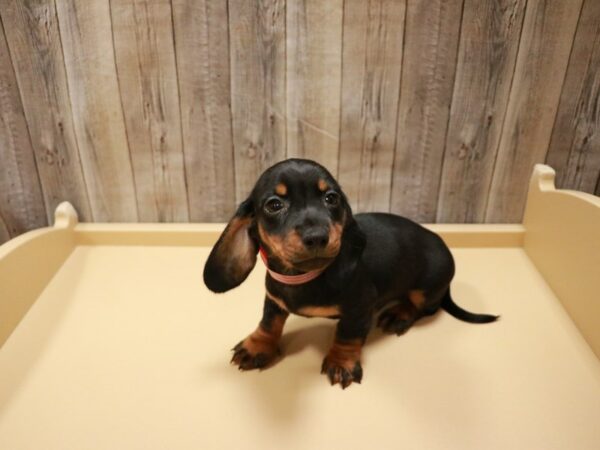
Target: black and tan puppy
x,y
324,261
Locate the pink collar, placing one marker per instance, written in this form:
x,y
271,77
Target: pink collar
x,y
290,279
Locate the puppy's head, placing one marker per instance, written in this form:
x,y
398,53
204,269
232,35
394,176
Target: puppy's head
x,y
297,213
300,215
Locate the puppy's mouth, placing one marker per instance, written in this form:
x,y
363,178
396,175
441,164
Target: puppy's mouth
x,y
313,263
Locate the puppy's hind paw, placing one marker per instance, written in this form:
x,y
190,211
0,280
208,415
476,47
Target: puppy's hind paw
x,y
395,321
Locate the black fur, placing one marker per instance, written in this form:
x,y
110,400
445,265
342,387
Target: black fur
x,y
383,259
466,316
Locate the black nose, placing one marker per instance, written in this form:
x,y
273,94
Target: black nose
x,y
315,238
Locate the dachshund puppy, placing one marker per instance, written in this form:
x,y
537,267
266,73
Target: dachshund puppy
x,y
323,261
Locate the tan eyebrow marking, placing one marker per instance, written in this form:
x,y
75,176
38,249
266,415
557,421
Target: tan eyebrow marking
x,y
322,184
281,189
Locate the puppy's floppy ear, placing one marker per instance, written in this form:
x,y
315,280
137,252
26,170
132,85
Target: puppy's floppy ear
x,y
234,255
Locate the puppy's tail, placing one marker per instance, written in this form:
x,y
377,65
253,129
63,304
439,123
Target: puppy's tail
x,y
454,310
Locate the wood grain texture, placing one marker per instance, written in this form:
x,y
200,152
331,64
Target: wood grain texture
x,y
314,76
544,49
169,110
372,61
202,51
429,64
21,201
33,36
145,58
575,145
4,232
486,60
257,42
85,28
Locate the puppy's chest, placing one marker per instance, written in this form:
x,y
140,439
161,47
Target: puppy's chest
x,y
308,303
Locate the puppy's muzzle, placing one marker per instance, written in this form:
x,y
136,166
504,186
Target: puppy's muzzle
x,y
315,238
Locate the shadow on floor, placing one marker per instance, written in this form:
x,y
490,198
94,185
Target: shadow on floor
x,y
280,388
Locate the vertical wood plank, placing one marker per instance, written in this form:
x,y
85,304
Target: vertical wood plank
x,y
4,232
486,60
372,61
145,57
257,41
428,68
314,73
546,41
21,201
85,29
202,52
575,145
33,36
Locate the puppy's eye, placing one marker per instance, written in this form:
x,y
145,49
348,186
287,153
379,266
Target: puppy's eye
x,y
332,198
273,205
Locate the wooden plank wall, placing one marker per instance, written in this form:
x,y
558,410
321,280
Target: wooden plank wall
x,y
168,110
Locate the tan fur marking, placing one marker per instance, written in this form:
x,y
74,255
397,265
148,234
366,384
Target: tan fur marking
x,y
278,301
345,354
322,184
265,341
404,311
281,189
234,226
276,244
417,298
286,248
335,238
236,251
294,242
277,325
290,247
319,311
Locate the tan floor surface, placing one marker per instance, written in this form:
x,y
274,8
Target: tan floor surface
x,y
126,349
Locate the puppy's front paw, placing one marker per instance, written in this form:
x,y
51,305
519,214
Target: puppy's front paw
x,y
343,373
254,353
342,364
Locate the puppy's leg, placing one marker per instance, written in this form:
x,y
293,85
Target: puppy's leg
x,y
261,347
400,317
342,363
